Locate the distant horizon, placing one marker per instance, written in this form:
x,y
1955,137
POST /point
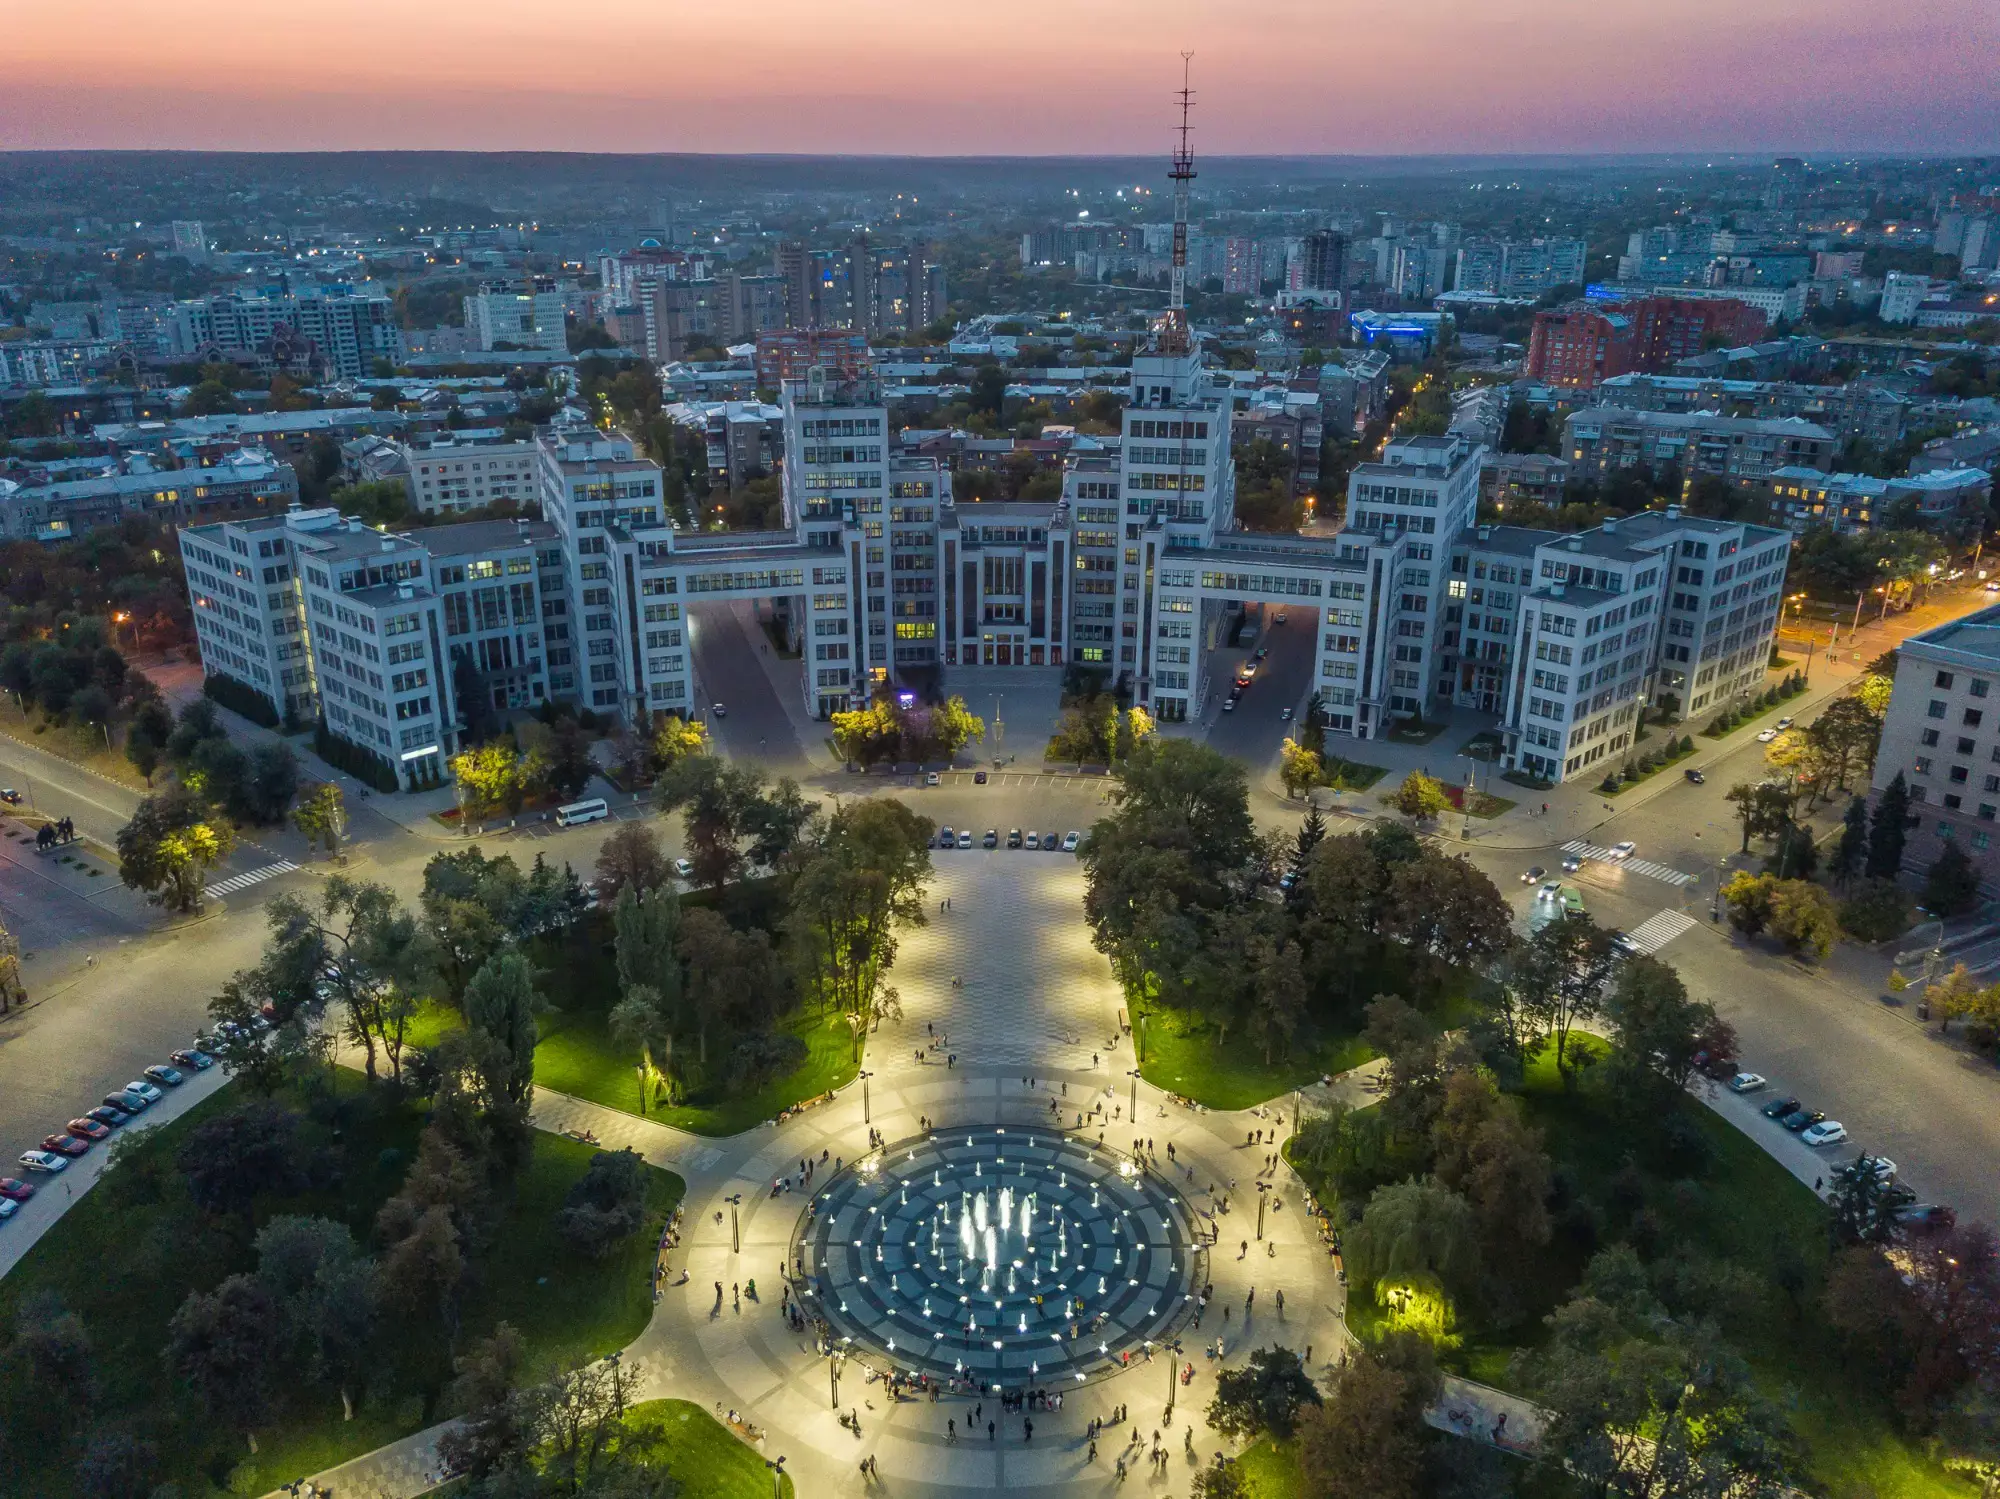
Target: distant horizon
x,y
952,79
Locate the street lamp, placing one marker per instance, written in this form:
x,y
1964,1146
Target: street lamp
x,y
735,1231
777,1468
1262,1189
1134,1073
1173,1378
865,1075
833,1372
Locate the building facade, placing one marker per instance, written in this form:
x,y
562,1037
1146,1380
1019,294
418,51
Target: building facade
x,y
1942,735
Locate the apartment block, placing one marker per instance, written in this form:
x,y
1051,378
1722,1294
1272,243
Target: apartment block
x,y
247,613
448,472
1942,735
1601,440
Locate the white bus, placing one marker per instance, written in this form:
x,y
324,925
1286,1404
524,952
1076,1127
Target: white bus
x,y
581,812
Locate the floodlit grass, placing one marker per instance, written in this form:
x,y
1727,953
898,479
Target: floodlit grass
x,y
124,1257
576,1056
703,1455
78,743
1184,1057
1271,1469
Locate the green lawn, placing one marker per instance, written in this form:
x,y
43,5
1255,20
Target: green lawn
x,y
704,1455
1182,1056
124,1257
576,1057
1745,1209
1270,1469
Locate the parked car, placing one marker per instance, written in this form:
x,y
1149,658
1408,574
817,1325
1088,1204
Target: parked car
x,y
8,1208
1747,1082
195,1061
1034,840
106,1115
145,1090
89,1129
931,778
979,778
1624,850
1777,1108
992,838
1070,841
1923,1217
1824,1132
159,1072
1885,1169
1229,703
1281,616
44,1160
1800,1120
15,1190
1013,837
131,1103
684,869
947,838
1765,736
1694,774
65,1144
1051,842
965,838
1533,872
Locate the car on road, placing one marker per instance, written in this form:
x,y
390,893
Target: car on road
x,y
8,1208
1281,617
10,796
965,838
1261,652
1285,715
1748,1082
106,1115
1824,1132
992,838
1624,850
718,710
1782,724
159,1072
1070,841
131,1103
65,1144
44,1160
89,1129
15,1190
1778,1108
1572,863
1034,840
684,869
1765,736
1993,586
197,1061
145,1090
1229,704
1625,943
932,778
979,778
1802,1119
1694,775
1551,890
1532,873
1013,837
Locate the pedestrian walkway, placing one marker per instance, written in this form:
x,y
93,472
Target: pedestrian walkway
x,y
243,881
1646,867
1655,932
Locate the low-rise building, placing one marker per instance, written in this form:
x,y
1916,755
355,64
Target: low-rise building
x,y
452,471
241,483
1938,499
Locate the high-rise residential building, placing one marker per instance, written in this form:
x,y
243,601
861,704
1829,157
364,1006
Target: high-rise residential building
x,y
1937,737
1902,294
1586,342
1322,261
335,330
501,315
1520,268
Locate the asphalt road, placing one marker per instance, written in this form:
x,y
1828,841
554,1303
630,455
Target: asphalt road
x,y
727,644
1254,730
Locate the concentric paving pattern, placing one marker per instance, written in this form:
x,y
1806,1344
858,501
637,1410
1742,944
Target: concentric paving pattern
x,y
1007,1257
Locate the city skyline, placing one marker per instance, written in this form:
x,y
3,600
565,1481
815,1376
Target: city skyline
x,y
1570,78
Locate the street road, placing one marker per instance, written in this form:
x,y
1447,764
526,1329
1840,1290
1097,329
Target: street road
x,y
727,644
1253,731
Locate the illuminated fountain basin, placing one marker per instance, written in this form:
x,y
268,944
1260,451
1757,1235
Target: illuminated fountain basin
x,y
1009,1257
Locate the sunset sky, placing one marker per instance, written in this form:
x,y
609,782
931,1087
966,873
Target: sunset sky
x,y
977,77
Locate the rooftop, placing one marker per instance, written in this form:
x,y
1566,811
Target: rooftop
x,y
470,536
1971,641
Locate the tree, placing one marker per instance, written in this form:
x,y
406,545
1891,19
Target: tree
x,y
1851,852
606,1205
715,800
1201,790
1764,809
1223,1478
1298,767
1887,829
1803,917
1748,897
1419,1236
630,858
569,767
1859,1203
321,816
1659,1033
232,1159
146,736
501,1001
1447,910
1559,976
1843,741
359,946
1312,833
170,845
270,781
118,1465
1485,1153
1366,1440
1796,854
1265,1395
224,1345
1421,797
1951,884
1876,910
493,1434
676,739
1278,996
324,1288
489,777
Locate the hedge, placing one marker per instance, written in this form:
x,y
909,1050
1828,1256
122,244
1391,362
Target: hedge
x,y
241,698
357,760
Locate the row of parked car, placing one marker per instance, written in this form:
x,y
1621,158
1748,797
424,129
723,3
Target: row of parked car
x,y
946,838
94,1125
1815,1129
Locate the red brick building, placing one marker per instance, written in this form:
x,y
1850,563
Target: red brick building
x,y
1583,343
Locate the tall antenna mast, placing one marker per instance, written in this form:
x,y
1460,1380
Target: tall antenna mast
x,y
1175,331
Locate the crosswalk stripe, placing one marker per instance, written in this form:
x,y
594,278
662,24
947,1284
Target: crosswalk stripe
x,y
244,881
1655,932
1663,872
